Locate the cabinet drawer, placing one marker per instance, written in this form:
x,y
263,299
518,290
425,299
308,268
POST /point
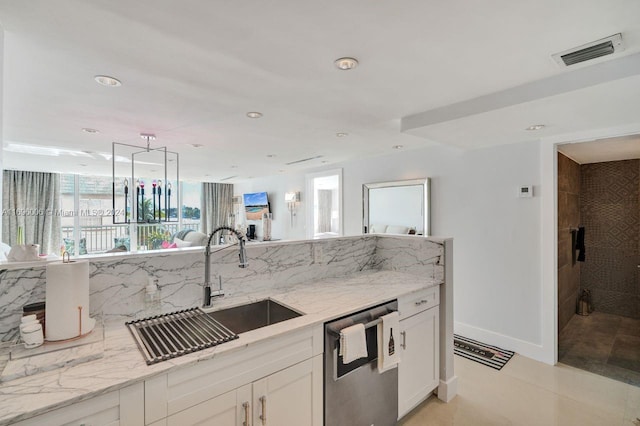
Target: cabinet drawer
x,y
422,300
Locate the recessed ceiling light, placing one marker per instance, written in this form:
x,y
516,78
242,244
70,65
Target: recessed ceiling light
x,y
346,63
397,146
324,161
342,134
82,165
536,127
254,114
234,166
270,155
90,130
196,145
105,80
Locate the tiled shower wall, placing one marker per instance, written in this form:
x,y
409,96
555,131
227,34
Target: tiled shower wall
x,y
568,217
610,211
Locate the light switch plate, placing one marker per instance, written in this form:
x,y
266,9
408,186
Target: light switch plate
x,y
525,191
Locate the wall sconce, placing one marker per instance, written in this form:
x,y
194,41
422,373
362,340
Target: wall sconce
x,y
292,199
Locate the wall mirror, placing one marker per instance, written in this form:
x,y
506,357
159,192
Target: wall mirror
x,y
398,207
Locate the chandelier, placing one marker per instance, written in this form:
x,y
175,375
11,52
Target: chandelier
x,y
145,183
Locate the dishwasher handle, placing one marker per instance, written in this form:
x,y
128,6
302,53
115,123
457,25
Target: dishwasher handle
x,y
369,318
336,332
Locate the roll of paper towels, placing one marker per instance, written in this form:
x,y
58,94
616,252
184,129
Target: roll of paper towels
x,y
67,300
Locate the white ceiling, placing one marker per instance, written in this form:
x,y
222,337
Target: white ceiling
x,y
191,70
601,150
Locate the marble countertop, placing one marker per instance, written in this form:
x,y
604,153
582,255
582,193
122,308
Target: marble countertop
x,y
123,364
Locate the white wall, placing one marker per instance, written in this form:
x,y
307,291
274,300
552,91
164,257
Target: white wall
x,y
276,186
497,236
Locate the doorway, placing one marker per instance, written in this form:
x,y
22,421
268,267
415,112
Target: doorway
x,y
599,257
324,218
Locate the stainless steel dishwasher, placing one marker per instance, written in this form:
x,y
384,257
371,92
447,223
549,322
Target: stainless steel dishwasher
x,y
355,394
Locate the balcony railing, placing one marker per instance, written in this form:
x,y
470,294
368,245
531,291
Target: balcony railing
x,y
100,238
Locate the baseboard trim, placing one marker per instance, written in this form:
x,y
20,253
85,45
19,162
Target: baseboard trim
x,y
522,347
448,390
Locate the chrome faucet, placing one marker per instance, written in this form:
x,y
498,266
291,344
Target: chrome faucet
x,y
207,266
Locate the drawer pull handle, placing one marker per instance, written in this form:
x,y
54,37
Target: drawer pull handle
x,y
404,339
263,416
422,302
245,405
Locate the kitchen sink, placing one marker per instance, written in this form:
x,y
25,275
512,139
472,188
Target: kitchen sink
x,y
251,316
178,333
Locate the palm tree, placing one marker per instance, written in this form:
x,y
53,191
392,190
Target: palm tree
x,y
145,211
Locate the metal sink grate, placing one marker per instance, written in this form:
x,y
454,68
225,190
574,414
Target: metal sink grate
x,y
171,335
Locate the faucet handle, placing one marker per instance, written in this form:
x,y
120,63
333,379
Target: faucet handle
x,y
207,297
211,294
217,293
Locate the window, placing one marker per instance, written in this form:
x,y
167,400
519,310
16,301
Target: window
x,y
191,206
87,220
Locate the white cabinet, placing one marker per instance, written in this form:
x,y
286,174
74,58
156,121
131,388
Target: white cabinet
x,y
117,408
277,382
418,371
288,397
223,410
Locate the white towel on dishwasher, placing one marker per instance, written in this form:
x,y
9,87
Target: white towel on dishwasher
x,y
388,342
353,343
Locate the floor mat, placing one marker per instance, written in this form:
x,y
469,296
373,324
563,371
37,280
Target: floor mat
x,y
491,356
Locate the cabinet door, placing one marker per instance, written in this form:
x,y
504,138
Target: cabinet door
x,y
418,369
220,411
286,397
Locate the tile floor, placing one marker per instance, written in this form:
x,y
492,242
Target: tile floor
x,y
604,344
527,392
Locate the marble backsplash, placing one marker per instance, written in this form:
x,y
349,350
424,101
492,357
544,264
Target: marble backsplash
x,y
117,284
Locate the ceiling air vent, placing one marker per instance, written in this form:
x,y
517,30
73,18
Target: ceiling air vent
x,y
303,160
586,52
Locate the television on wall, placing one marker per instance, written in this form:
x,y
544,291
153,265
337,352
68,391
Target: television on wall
x,y
255,204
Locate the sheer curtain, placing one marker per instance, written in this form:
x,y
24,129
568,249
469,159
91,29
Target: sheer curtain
x,y
217,206
32,200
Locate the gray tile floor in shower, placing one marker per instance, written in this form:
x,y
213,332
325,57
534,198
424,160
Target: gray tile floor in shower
x,y
603,344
